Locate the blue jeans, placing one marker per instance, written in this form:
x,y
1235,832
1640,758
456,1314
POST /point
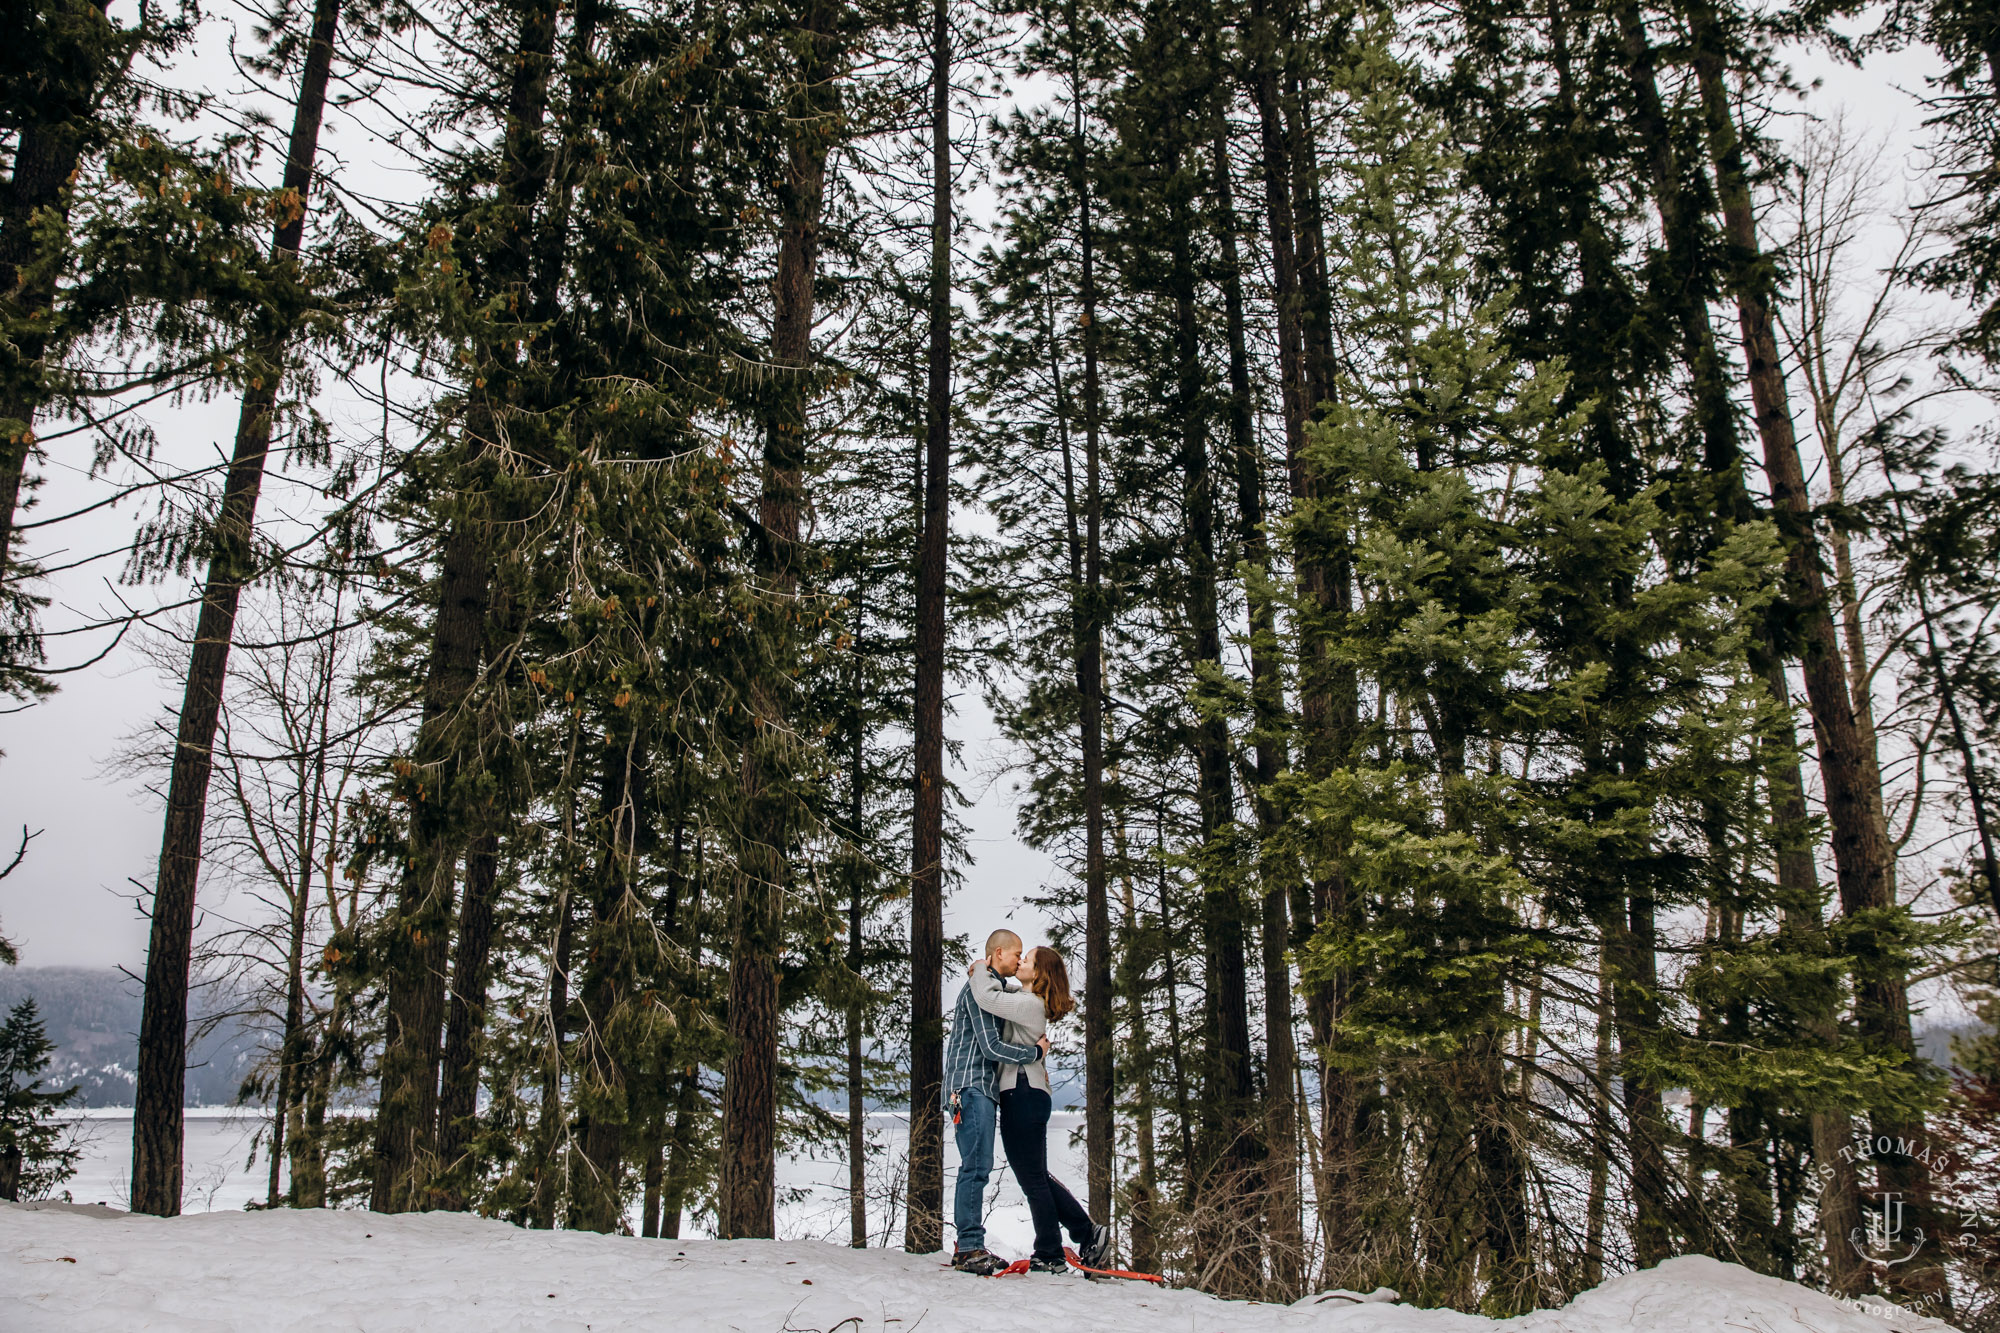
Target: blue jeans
x,y
974,1133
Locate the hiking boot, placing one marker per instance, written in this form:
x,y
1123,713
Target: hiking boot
x,y
980,1263
1097,1252
1040,1265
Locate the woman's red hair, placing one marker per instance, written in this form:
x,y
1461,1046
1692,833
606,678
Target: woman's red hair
x,y
1051,982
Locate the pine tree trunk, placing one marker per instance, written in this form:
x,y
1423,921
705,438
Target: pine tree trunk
x,y
1680,228
1328,699
1099,1061
687,1092
924,1230
1853,637
1143,1192
1500,1193
608,978
656,1168
1788,1176
420,931
420,935
308,1138
680,1148
857,1089
1089,659
1748,1170
1850,772
549,1144
1228,1245
1298,397
1277,873
465,1024
857,1104
746,1201
162,1065
1177,1048
1600,1129
1630,951
292,1042
1636,1006
1752,1226
1839,1203
1262,41
1498,1135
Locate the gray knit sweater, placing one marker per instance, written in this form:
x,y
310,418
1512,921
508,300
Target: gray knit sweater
x,y
1024,1022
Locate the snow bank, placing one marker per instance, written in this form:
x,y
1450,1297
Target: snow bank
x,y
80,1269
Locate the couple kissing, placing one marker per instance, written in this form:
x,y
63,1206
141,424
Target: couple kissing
x,y
996,1066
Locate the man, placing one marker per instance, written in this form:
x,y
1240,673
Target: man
x,y
972,1059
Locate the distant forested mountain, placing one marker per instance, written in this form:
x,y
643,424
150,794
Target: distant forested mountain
x,y
1934,1041
92,1015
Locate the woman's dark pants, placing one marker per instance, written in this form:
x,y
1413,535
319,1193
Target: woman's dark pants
x,y
1024,1128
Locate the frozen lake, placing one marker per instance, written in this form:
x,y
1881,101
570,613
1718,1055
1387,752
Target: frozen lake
x,y
221,1176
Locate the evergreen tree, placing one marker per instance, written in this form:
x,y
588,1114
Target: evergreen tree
x,y
1392,634
1965,107
37,1153
65,92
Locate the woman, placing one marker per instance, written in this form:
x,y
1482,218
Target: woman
x,y
1025,1105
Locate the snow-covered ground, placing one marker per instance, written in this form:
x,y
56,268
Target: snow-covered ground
x,y
87,1269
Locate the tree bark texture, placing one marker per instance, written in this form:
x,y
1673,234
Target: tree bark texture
x,y
655,1173
924,1232
857,1097
1680,227
1277,873
746,1197
1635,1002
161,1084
1099,1063
1142,1191
418,944
680,1146
1839,1203
1850,772
860,875
1293,234
292,1043
610,976
551,1112
465,1023
1229,1254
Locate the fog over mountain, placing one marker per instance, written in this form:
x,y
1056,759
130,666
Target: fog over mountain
x,y
92,1015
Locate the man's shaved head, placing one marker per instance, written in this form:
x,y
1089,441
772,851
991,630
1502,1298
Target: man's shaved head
x,y
1001,939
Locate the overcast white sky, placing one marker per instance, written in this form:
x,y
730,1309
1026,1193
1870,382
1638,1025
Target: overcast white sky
x,y
72,902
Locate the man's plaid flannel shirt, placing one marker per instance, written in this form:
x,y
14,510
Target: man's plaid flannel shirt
x,y
975,1052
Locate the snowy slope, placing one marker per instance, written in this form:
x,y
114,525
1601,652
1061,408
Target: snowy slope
x,y
82,1269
